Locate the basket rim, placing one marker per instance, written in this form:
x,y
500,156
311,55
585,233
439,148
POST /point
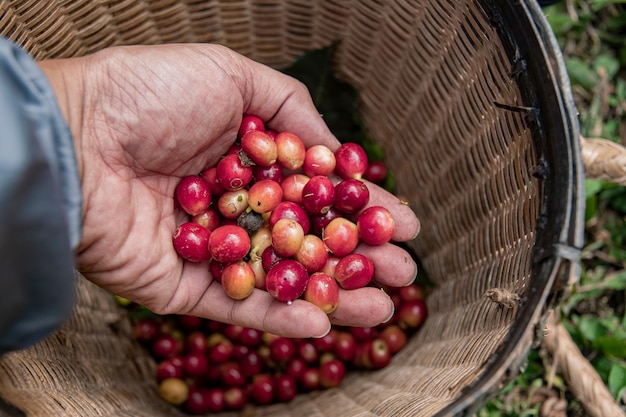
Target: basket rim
x,y
525,32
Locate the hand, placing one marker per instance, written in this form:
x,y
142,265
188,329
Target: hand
x,y
144,116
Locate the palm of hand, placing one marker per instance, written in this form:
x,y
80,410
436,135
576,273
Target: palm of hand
x,y
153,124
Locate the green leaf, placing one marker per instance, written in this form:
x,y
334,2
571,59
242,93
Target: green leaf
x,y
580,73
610,64
591,208
590,327
593,187
616,282
559,21
610,346
617,379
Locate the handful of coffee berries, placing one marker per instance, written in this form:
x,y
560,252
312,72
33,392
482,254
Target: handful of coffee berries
x,y
277,216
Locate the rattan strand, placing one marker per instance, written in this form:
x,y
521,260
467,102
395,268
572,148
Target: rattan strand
x,y
428,74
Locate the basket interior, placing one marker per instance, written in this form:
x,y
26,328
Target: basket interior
x,y
430,77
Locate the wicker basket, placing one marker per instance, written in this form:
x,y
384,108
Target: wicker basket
x,y
471,102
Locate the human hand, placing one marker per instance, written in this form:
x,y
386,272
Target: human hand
x,y
145,116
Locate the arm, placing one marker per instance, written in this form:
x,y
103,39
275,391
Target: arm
x,y
40,204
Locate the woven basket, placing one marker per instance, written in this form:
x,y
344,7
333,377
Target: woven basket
x,y
472,105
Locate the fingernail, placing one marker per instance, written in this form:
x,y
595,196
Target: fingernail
x,y
417,231
414,277
326,332
393,310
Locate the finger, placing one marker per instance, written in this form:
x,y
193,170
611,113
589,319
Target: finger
x,y
393,266
260,310
407,225
364,307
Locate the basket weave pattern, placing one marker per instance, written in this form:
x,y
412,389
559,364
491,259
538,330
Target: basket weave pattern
x,y
428,73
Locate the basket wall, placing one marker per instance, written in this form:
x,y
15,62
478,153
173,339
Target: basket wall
x,y
429,74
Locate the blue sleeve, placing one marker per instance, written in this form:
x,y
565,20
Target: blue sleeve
x,y
40,204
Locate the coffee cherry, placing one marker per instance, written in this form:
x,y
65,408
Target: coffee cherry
x,y
351,161
312,253
307,351
351,195
363,334
193,194
216,399
165,346
395,337
198,401
210,176
332,373
269,258
330,265
292,186
169,368
256,265
326,343
320,221
238,280
341,236
287,237
232,173
231,204
376,226
262,389
310,380
354,271
235,398
318,160
264,196
323,291
250,122
379,353
272,172
345,346
295,368
286,280
252,363
221,351
174,390
229,244
290,210
191,242
259,147
318,195
209,218
286,388
282,350
412,314
196,342
376,172
411,292
146,330
195,364
231,374
291,150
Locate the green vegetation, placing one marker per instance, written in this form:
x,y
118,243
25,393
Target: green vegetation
x,y
592,37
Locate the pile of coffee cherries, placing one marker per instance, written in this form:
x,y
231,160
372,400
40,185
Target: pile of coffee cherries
x,y
204,366
275,215
280,217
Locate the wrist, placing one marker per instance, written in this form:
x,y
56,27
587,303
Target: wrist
x,y
65,77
